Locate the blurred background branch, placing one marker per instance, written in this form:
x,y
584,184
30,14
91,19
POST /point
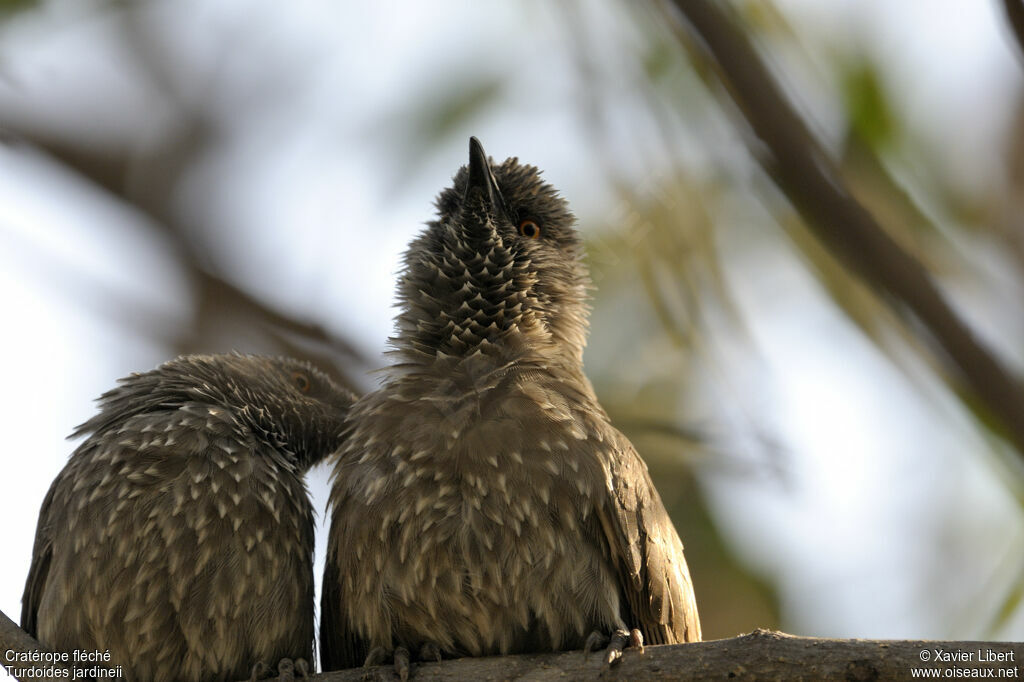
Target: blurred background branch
x,y
148,179
814,184
1015,17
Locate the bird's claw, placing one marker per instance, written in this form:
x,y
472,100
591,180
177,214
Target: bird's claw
x,y
400,656
402,663
430,652
378,656
259,671
636,640
618,641
287,669
595,640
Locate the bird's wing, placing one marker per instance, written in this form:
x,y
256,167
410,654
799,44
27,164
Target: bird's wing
x,y
646,548
340,646
42,551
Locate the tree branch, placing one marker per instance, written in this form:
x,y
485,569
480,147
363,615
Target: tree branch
x,y
1015,15
215,295
813,184
13,641
761,655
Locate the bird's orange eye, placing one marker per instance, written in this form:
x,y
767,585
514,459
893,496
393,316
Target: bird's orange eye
x,y
301,381
529,229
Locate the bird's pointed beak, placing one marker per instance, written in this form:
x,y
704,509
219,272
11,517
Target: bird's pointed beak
x,y
481,178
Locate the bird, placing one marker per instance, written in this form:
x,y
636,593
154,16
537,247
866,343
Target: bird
x,y
482,503
179,536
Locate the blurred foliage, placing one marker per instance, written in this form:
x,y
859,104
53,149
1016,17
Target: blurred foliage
x,y
674,245
8,7
867,106
664,251
430,118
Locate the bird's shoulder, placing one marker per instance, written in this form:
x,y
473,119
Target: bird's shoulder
x,y
190,430
169,459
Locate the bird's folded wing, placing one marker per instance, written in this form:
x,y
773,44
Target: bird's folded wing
x,y
42,551
652,570
340,646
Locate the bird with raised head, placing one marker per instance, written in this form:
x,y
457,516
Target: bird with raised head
x,y
482,502
179,536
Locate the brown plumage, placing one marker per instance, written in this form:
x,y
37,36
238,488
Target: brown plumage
x,y
483,503
180,534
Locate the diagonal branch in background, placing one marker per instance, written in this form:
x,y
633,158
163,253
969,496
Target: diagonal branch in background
x,y
145,174
1015,15
812,183
107,170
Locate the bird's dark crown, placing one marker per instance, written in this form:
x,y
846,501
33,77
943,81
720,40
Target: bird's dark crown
x,y
500,269
289,403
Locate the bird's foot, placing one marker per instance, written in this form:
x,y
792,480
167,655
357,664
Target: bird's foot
x,y
619,640
259,671
429,651
402,663
399,655
287,669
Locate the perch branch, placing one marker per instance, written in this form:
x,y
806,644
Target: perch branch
x,y
762,655
14,641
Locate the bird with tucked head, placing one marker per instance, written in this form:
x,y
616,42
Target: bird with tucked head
x,y
179,536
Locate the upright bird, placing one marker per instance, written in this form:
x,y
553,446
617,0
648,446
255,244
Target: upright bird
x,y
179,536
482,502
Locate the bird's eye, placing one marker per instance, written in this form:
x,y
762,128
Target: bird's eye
x,y
301,381
529,229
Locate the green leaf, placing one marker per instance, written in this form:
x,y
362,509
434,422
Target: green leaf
x,y
867,105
